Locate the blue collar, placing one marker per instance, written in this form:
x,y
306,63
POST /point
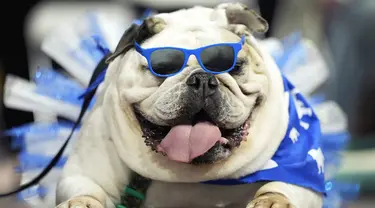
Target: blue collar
x,y
299,159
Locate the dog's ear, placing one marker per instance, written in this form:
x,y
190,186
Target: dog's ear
x,y
125,43
239,14
138,33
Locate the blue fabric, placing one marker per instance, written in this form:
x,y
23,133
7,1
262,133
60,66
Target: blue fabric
x,y
36,161
37,190
57,86
299,159
40,132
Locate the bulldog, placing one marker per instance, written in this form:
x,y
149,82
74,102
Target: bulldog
x,y
188,97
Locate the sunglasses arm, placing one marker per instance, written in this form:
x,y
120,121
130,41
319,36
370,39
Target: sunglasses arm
x,y
243,39
138,48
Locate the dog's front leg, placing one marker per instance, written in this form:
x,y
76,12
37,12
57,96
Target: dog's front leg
x,y
283,195
94,174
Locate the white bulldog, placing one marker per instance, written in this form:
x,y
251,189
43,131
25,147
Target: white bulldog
x,y
170,133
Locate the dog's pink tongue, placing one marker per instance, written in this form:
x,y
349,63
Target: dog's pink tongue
x,y
183,143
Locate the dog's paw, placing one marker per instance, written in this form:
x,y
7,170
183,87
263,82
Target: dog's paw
x,y
81,202
270,200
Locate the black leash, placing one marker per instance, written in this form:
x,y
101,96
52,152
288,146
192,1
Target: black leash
x,y
86,102
135,32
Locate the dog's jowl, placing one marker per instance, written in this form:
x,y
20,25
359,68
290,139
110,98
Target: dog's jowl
x,y
195,114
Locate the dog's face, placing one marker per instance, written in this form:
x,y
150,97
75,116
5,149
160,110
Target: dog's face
x,y
193,117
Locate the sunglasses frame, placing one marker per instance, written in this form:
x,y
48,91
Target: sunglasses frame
x,y
146,52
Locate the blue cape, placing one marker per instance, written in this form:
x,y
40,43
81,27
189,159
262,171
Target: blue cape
x,y
299,159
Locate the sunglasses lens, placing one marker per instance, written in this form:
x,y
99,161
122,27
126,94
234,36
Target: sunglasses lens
x,y
218,58
167,61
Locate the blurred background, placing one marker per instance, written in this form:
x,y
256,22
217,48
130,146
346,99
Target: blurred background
x,y
343,30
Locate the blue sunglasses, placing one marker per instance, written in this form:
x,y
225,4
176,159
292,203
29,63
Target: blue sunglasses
x,y
168,61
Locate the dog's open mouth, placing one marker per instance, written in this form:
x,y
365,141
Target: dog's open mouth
x,y
201,141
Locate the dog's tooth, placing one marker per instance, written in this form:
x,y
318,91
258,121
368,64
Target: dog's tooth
x,y
246,126
223,140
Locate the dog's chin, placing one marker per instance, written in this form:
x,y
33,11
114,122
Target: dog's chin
x,y
154,134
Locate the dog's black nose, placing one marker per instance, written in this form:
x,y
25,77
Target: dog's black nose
x,y
203,83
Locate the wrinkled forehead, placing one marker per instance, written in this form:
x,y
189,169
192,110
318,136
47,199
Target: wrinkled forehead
x,y
191,37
